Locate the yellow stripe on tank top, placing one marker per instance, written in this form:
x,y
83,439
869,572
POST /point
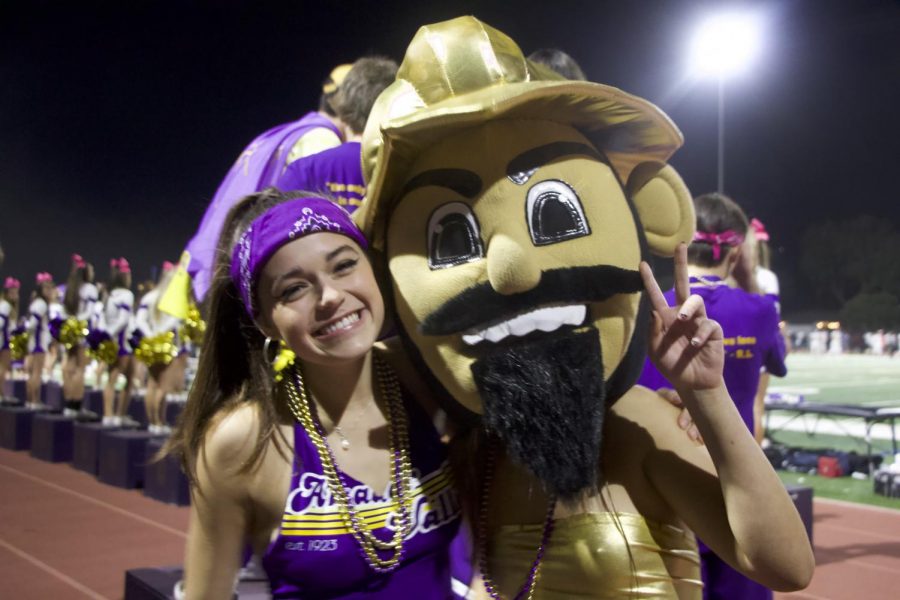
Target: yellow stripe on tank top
x,y
294,529
329,514
331,522
333,514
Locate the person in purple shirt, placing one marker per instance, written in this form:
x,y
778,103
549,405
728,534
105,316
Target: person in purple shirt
x,y
259,166
752,342
337,172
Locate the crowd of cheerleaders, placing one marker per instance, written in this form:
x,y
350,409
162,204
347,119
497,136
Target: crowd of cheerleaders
x,y
99,328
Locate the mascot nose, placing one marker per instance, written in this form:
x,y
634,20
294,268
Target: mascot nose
x,y
509,268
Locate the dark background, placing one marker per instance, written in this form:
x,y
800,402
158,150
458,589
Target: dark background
x,y
117,123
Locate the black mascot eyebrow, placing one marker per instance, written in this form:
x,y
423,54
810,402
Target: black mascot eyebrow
x,y
533,159
480,304
462,181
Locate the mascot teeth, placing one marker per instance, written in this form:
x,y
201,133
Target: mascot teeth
x,y
541,319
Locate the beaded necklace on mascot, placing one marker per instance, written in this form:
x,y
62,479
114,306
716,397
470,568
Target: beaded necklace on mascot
x,y
527,590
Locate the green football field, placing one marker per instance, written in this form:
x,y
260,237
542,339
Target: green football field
x,y
850,379
842,379
862,380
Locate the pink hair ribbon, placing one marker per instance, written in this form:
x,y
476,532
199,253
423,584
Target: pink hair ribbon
x,y
717,240
78,261
120,264
10,283
759,229
43,277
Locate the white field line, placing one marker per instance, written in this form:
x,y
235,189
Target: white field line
x,y
814,387
51,571
101,503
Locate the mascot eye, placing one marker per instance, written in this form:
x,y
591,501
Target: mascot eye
x,y
454,236
554,213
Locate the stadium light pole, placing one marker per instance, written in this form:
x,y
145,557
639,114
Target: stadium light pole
x,y
724,45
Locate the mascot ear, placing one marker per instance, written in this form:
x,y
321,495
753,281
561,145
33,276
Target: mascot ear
x,y
664,206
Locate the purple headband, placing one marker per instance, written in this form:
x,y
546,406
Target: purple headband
x,y
276,227
717,240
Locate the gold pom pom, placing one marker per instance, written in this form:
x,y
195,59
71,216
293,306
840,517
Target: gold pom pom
x,y
72,332
159,349
194,326
107,352
18,345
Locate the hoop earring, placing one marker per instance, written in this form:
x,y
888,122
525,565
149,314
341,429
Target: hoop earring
x,y
270,358
281,359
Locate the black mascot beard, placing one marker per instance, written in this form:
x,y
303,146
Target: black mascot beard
x,y
544,398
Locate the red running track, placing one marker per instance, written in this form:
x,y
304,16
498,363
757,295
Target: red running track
x,y
65,535
857,553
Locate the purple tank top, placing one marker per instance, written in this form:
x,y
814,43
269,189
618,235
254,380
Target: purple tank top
x,y
316,556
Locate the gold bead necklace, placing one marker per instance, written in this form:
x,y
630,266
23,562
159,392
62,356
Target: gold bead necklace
x,y
401,467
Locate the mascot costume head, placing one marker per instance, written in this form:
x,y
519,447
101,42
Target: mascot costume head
x,y
512,208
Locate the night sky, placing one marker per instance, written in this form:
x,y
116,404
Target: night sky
x,y
117,123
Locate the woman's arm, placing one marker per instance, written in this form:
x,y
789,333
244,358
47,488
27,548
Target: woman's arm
x,y
220,509
5,309
726,491
36,312
140,321
745,514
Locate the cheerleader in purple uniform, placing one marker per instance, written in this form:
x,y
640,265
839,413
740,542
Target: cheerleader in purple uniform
x,y
38,327
159,350
56,315
81,301
116,318
9,310
316,457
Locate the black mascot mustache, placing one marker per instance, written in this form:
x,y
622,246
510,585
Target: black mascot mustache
x,y
480,304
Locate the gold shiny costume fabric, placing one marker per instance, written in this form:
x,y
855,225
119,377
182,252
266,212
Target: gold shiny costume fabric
x,y
600,555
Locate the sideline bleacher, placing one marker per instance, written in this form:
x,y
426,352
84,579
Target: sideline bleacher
x,y
119,456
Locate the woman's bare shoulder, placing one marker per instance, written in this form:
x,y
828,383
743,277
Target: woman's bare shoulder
x,y
230,439
645,409
642,404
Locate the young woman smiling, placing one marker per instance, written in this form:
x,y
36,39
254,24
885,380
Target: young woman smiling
x,y
298,437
